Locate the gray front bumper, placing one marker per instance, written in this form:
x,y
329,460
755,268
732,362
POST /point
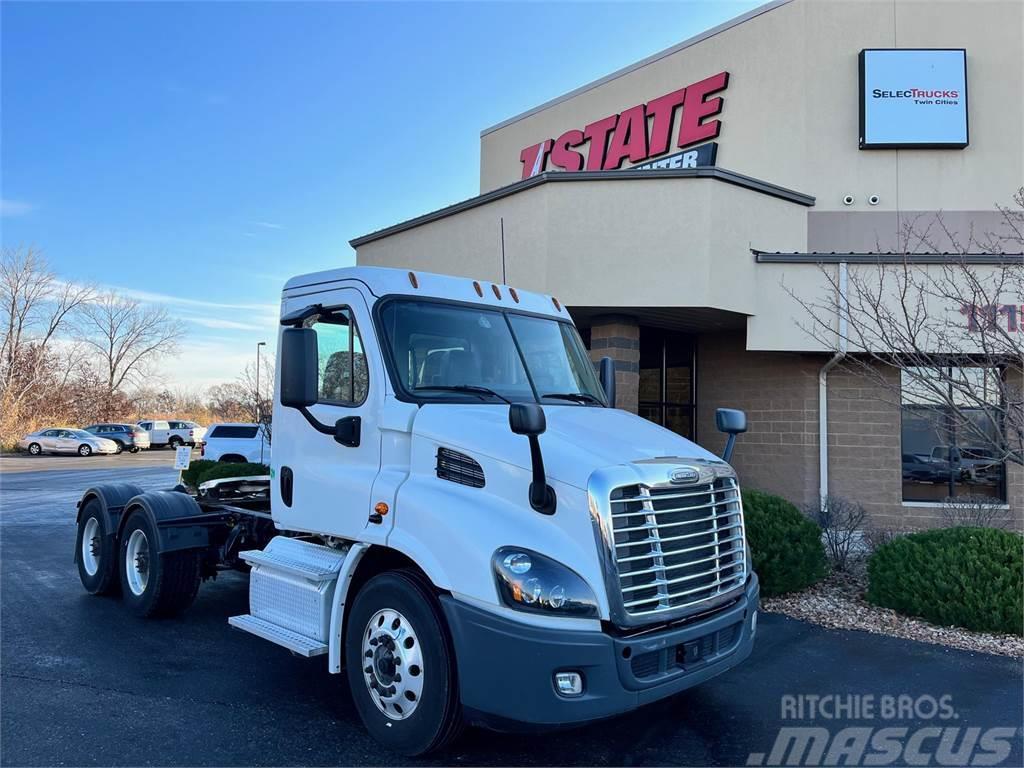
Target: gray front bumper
x,y
506,668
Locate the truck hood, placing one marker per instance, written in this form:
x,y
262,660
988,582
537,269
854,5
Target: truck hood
x,y
578,439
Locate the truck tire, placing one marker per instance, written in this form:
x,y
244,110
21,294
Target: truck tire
x,y
95,551
155,584
175,442
401,667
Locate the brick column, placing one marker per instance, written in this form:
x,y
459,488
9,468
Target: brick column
x,y
618,337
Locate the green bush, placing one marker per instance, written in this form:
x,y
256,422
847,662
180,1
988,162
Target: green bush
x,y
786,547
222,469
190,476
967,577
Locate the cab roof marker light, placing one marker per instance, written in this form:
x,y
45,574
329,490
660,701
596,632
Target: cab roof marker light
x,y
478,289
413,281
555,302
497,291
514,295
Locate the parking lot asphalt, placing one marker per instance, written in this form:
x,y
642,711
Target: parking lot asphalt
x,y
84,683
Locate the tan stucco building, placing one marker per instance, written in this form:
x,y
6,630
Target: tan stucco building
x,y
678,206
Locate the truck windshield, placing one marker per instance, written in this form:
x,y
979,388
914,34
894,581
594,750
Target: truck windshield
x,y
448,351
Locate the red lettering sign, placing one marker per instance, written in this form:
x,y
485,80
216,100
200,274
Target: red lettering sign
x,y
635,134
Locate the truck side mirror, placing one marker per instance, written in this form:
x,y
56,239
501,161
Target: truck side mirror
x,y
528,419
732,422
298,367
607,374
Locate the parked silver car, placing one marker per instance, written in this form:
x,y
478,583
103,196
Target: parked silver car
x,y
128,437
62,440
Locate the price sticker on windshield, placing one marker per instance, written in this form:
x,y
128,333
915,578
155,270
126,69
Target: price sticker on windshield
x,y
182,457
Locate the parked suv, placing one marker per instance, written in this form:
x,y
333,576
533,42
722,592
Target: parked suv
x,y
173,433
128,437
236,442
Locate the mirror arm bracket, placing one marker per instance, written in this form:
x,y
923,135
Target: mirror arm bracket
x,y
345,431
542,495
319,426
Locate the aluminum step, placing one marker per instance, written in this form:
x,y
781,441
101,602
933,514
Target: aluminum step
x,y
305,561
293,641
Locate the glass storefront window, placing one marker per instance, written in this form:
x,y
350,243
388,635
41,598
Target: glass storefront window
x,y
947,437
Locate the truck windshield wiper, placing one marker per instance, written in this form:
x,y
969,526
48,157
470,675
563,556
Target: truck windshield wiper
x,y
472,389
576,397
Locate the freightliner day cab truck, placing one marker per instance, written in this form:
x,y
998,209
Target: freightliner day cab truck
x,y
456,516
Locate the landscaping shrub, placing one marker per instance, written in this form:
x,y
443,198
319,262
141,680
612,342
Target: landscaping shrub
x,y
786,546
221,469
975,511
968,577
190,476
841,522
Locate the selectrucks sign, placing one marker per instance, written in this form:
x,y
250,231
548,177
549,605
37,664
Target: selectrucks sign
x,y
640,133
913,98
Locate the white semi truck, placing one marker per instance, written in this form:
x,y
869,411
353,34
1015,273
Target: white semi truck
x,y
456,516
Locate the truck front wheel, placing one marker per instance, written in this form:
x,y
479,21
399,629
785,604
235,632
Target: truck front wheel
x,y
401,669
94,551
155,584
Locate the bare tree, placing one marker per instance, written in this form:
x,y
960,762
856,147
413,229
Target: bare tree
x,y
34,307
226,402
127,338
948,316
258,392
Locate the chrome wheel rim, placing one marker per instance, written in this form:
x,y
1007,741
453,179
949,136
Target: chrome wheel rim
x,y
392,664
136,562
34,449
90,553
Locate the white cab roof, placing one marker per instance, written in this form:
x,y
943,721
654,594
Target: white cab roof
x,y
382,281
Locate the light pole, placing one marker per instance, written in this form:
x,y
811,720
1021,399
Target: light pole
x,y
258,345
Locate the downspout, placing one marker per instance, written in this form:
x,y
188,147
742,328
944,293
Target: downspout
x,y
843,310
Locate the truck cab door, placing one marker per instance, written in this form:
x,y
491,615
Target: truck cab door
x,y
329,483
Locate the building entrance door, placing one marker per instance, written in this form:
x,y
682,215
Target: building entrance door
x,y
667,380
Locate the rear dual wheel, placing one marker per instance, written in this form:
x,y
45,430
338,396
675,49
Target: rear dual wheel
x,y
94,550
401,668
155,583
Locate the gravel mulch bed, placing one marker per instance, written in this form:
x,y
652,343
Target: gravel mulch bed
x,y
838,602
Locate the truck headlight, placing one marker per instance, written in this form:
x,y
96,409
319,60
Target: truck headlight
x,y
528,581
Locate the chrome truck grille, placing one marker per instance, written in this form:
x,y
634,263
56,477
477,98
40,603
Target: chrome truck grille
x,y
671,549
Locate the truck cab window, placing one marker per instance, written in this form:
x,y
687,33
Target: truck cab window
x,y
437,348
343,377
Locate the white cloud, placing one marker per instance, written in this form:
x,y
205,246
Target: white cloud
x,y
217,322
201,363
184,301
268,225
11,208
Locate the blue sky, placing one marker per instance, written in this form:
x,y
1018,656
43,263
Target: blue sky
x,y
197,154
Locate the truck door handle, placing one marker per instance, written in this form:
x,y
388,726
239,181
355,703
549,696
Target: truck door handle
x,y
346,431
